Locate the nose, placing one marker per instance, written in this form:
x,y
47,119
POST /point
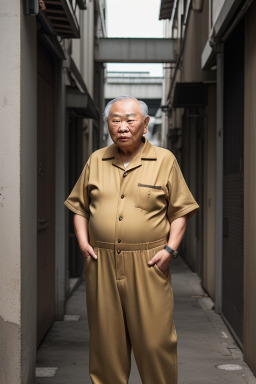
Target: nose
x,y
123,127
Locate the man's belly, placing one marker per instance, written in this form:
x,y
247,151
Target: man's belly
x,y
132,226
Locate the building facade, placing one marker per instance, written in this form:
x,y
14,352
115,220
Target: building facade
x,y
210,124
50,123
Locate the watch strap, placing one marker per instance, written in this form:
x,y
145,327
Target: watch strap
x,y
171,251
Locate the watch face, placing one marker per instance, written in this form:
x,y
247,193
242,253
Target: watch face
x,y
175,253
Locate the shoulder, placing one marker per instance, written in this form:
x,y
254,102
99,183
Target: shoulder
x,y
165,155
164,152
99,152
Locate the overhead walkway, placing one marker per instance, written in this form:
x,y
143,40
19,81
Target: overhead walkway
x,y
139,84
135,50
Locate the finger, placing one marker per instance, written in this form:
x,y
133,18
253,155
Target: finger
x,y
154,260
92,253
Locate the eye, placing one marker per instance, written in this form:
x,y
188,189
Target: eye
x,y
130,121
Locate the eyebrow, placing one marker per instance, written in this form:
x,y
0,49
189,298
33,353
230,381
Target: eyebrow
x,y
127,115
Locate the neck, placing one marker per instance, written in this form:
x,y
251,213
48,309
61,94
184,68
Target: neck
x,y
127,154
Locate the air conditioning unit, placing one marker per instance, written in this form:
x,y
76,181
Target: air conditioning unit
x,y
31,7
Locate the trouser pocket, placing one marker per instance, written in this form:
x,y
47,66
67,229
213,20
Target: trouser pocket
x,y
150,254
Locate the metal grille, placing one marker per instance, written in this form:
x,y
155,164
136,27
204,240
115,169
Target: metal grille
x,y
233,258
233,185
166,9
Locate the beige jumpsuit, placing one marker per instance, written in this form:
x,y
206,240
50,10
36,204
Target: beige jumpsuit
x,y
129,303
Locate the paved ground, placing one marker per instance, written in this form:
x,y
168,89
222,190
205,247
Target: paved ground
x,y
204,341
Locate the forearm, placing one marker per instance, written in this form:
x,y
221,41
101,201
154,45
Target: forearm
x,y
81,226
163,258
177,231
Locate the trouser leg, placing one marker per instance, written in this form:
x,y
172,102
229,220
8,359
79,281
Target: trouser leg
x,y
110,349
149,313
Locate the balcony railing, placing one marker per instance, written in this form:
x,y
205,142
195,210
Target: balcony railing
x,y
61,14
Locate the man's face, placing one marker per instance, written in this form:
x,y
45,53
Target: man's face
x,y
126,124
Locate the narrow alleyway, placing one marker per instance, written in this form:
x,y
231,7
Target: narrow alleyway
x,y
204,343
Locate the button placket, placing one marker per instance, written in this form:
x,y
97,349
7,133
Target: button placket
x,y
120,268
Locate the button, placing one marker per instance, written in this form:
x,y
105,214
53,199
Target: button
x,y
119,241
122,196
118,251
120,218
125,174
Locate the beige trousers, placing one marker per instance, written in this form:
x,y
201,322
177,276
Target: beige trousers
x,y
130,305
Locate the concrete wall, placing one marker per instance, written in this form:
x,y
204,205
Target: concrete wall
x,y
18,194
87,46
10,305
83,48
28,161
250,189
197,35
83,55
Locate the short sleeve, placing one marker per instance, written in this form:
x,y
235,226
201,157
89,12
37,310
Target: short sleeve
x,y
181,200
78,200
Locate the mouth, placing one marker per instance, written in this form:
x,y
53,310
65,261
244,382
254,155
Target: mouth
x,y
123,138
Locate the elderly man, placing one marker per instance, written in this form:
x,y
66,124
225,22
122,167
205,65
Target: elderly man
x,y
131,204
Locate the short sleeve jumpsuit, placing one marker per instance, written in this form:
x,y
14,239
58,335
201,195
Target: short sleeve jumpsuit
x,y
129,303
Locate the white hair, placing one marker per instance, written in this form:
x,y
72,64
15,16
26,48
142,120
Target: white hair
x,y
143,106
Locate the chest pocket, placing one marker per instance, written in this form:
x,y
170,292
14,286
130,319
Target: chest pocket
x,y
150,197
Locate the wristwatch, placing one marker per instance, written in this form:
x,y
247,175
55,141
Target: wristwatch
x,y
171,251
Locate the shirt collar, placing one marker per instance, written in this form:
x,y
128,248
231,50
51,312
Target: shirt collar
x,y
148,151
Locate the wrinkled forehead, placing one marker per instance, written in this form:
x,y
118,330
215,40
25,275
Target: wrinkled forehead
x,y
125,108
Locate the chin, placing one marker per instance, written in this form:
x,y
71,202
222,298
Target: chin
x,y
120,142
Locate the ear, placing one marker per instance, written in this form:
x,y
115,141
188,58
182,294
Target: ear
x,y
146,121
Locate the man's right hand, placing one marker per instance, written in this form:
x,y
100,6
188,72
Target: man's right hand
x,y
88,251
81,230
